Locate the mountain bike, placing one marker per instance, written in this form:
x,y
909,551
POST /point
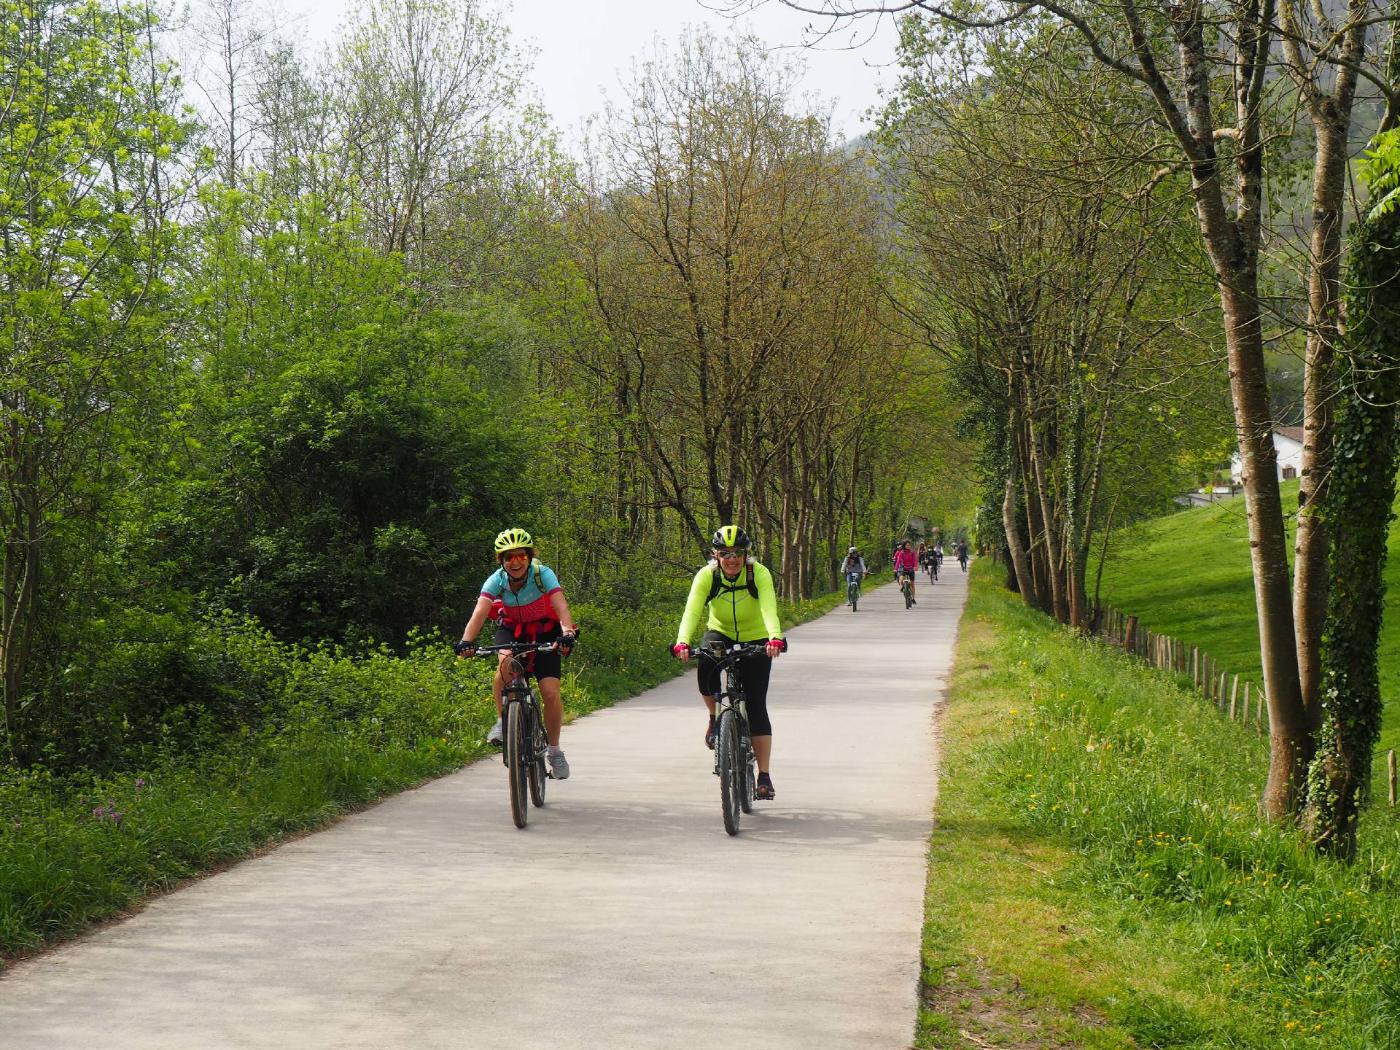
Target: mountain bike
x,y
929,568
524,744
735,764
853,590
906,588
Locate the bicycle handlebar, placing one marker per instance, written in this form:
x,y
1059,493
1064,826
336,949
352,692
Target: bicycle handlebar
x,y
516,647
520,647
725,653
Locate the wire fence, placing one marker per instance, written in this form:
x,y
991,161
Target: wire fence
x,y
1238,699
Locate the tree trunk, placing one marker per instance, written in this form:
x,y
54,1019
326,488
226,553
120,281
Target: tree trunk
x,y
1290,738
1332,123
1356,508
1025,581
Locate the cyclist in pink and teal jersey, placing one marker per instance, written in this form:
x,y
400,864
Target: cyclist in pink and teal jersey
x,y
531,605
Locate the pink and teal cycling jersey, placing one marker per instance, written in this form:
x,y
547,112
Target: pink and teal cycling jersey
x,y
904,561
531,603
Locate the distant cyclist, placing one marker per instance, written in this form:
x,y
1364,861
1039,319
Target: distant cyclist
x,y
906,565
926,558
853,563
962,554
937,559
527,596
743,608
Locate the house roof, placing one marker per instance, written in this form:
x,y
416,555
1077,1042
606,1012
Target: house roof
x,y
1295,433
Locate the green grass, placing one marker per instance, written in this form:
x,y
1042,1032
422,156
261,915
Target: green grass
x,y
346,730
1188,575
1099,876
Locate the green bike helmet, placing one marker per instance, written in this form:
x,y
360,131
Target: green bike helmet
x,y
512,539
730,536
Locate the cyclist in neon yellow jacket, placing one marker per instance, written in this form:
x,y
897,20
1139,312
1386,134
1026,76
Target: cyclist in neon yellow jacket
x,y
743,608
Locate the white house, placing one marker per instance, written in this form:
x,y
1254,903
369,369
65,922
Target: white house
x,y
1288,443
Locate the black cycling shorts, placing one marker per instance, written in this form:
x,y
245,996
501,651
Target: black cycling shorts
x,y
753,675
545,665
907,573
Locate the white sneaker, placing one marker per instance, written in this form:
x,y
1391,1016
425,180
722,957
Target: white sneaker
x,y
496,735
558,764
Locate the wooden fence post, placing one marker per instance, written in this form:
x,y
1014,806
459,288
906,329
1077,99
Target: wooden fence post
x,y
1390,770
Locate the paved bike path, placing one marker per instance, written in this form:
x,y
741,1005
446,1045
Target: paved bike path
x,y
623,917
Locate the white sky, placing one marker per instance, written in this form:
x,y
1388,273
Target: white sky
x,y
585,49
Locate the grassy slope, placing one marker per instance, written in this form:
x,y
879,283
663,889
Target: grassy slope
x,y
1188,575
1098,876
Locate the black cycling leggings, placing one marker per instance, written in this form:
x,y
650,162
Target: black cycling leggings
x,y
753,674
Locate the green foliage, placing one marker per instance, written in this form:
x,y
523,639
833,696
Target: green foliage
x,y
1381,173
353,457
92,159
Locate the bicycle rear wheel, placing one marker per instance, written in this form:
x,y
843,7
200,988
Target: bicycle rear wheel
x,y
539,777
908,595
517,745
730,777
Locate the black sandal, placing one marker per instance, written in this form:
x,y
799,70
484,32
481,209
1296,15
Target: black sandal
x,y
763,790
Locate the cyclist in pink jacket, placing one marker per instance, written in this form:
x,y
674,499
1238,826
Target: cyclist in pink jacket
x,y
907,564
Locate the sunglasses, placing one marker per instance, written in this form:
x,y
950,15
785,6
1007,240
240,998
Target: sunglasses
x,y
729,554
510,556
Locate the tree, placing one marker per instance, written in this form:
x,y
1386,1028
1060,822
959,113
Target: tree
x,y
350,467
1046,272
1188,58
1357,504
729,266
89,155
421,83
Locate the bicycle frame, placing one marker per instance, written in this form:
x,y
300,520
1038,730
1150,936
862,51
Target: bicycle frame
x,y
523,757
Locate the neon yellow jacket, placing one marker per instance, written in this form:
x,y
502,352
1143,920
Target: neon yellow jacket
x,y
734,613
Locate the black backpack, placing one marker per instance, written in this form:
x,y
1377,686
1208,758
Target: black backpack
x,y
717,583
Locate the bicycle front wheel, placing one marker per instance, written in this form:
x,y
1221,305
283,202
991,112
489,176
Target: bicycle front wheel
x,y
517,757
750,772
730,777
539,777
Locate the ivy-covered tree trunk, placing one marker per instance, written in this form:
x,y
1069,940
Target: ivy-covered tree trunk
x,y
1357,511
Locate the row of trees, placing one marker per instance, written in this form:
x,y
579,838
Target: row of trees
x,y
729,327
1059,287
1211,91
296,360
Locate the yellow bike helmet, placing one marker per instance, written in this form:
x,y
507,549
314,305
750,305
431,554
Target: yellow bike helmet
x,y
730,536
512,539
